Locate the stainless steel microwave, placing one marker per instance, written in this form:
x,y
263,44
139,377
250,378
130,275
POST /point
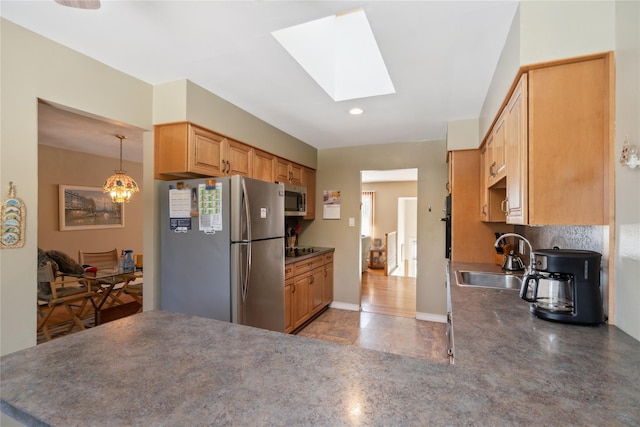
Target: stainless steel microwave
x,y
295,200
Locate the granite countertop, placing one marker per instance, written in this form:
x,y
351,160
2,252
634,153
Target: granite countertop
x,y
558,373
160,368
316,251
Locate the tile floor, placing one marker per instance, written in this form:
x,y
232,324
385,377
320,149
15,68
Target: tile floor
x,y
391,334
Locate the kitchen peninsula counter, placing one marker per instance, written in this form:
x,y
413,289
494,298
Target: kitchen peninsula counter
x,y
159,368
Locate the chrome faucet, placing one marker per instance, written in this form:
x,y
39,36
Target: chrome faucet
x,y
531,269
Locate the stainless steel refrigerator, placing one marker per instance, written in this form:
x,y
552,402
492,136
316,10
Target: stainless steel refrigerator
x,y
222,250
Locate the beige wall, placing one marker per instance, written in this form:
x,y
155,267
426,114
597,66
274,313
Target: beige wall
x,y
339,169
386,204
463,134
33,67
63,167
184,100
553,29
627,194
547,30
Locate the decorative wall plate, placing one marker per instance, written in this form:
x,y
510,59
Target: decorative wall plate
x,y
12,220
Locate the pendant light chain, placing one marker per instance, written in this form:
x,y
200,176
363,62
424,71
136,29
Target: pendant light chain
x,y
121,138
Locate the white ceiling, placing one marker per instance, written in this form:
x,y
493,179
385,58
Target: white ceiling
x,y
441,56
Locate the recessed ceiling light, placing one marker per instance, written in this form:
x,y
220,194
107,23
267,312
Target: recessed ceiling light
x,y
356,111
340,53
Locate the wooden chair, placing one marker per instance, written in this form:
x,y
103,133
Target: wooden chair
x,y
107,260
134,291
63,293
101,260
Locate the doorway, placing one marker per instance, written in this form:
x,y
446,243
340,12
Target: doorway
x,y
389,242
77,151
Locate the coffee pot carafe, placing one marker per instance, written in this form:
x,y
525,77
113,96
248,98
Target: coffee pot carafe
x,y
552,292
565,286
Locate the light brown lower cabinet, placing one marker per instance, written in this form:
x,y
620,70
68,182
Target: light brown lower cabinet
x,y
308,288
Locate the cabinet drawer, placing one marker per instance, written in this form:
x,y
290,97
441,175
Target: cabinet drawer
x,y
288,271
306,265
328,258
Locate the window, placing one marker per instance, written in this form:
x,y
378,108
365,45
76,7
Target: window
x,y
367,209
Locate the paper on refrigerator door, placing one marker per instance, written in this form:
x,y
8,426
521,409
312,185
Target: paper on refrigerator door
x,y
210,208
180,210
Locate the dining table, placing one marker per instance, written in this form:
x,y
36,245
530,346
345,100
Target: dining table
x,y
106,280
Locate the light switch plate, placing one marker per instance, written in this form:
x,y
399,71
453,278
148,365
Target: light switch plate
x,y
521,246
352,222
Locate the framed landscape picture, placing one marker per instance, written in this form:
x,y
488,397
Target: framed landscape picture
x,y
88,208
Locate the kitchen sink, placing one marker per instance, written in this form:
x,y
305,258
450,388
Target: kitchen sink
x,y
489,280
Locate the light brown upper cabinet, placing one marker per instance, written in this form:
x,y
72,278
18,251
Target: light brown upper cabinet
x,y
569,138
492,195
186,150
264,165
558,137
496,150
288,172
309,181
238,158
516,151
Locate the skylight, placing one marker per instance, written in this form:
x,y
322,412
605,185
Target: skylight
x,y
340,53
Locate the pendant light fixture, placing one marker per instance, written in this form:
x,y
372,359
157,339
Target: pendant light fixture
x,y
121,186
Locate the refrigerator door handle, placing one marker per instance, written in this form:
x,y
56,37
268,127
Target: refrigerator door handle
x,y
245,270
247,211
245,284
247,266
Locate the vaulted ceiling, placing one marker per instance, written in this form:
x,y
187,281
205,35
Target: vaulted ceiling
x,y
440,55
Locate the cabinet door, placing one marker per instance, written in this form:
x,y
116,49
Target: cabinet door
x,y
264,166
499,136
295,173
569,140
282,170
327,284
170,148
491,165
239,159
309,181
288,306
300,299
205,152
484,191
315,289
287,171
517,154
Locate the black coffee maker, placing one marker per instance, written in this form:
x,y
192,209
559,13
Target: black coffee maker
x,y
565,286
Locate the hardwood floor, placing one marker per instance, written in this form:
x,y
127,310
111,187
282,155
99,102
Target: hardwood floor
x,y
392,295
60,323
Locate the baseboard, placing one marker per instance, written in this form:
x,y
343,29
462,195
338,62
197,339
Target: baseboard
x,y
429,317
345,306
